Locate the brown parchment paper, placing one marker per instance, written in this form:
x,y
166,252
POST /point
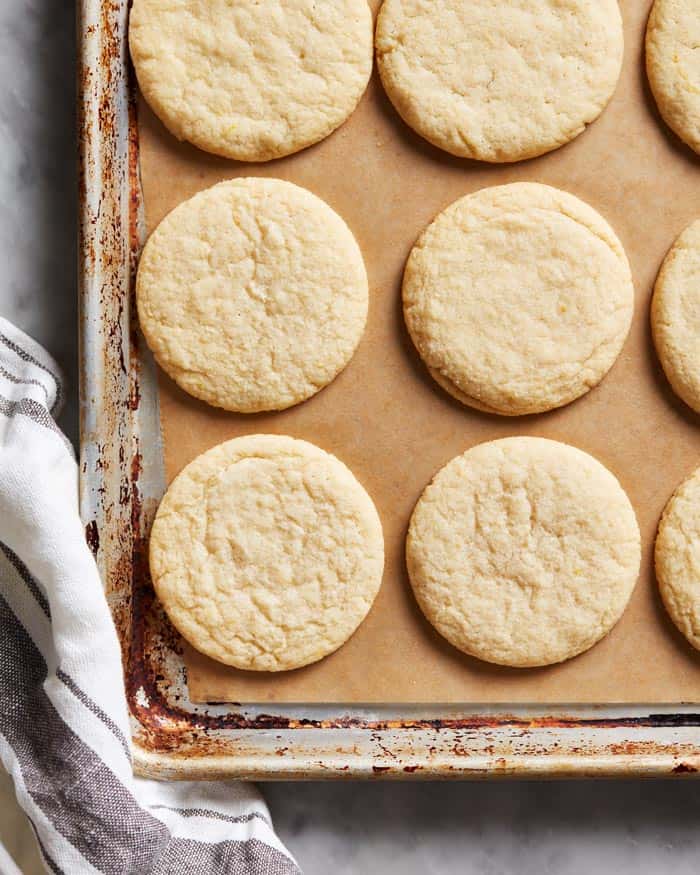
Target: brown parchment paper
x,y
394,427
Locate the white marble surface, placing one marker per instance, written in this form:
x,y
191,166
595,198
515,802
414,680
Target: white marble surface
x,y
517,828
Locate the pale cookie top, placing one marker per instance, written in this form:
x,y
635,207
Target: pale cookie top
x,y
675,316
499,80
252,79
523,551
677,556
519,297
266,553
252,295
673,65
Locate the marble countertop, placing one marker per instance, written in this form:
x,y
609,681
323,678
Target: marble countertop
x,y
343,828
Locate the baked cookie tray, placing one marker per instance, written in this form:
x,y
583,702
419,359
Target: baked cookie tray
x,y
123,476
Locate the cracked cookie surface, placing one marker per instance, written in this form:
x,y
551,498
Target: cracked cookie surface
x,y
266,553
252,295
675,316
673,65
518,298
523,551
677,558
499,81
252,79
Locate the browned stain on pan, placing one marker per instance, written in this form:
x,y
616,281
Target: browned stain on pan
x,y
92,536
684,768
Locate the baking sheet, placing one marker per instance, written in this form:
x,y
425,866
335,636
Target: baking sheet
x,y
387,419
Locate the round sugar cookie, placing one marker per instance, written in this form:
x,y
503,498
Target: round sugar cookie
x,y
252,79
266,553
675,316
252,295
677,558
499,80
523,551
673,65
518,298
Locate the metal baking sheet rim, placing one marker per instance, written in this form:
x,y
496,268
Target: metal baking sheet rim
x,y
122,479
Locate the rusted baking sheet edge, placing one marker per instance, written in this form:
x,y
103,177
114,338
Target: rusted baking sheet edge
x,y
122,480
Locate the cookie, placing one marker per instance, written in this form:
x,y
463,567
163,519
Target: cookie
x,y
266,553
252,295
518,298
673,66
255,79
523,552
675,316
499,80
677,558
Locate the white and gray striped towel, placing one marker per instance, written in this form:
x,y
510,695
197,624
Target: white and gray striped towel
x,y
63,721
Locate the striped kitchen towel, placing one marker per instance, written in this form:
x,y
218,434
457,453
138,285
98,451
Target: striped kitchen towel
x,y
63,721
